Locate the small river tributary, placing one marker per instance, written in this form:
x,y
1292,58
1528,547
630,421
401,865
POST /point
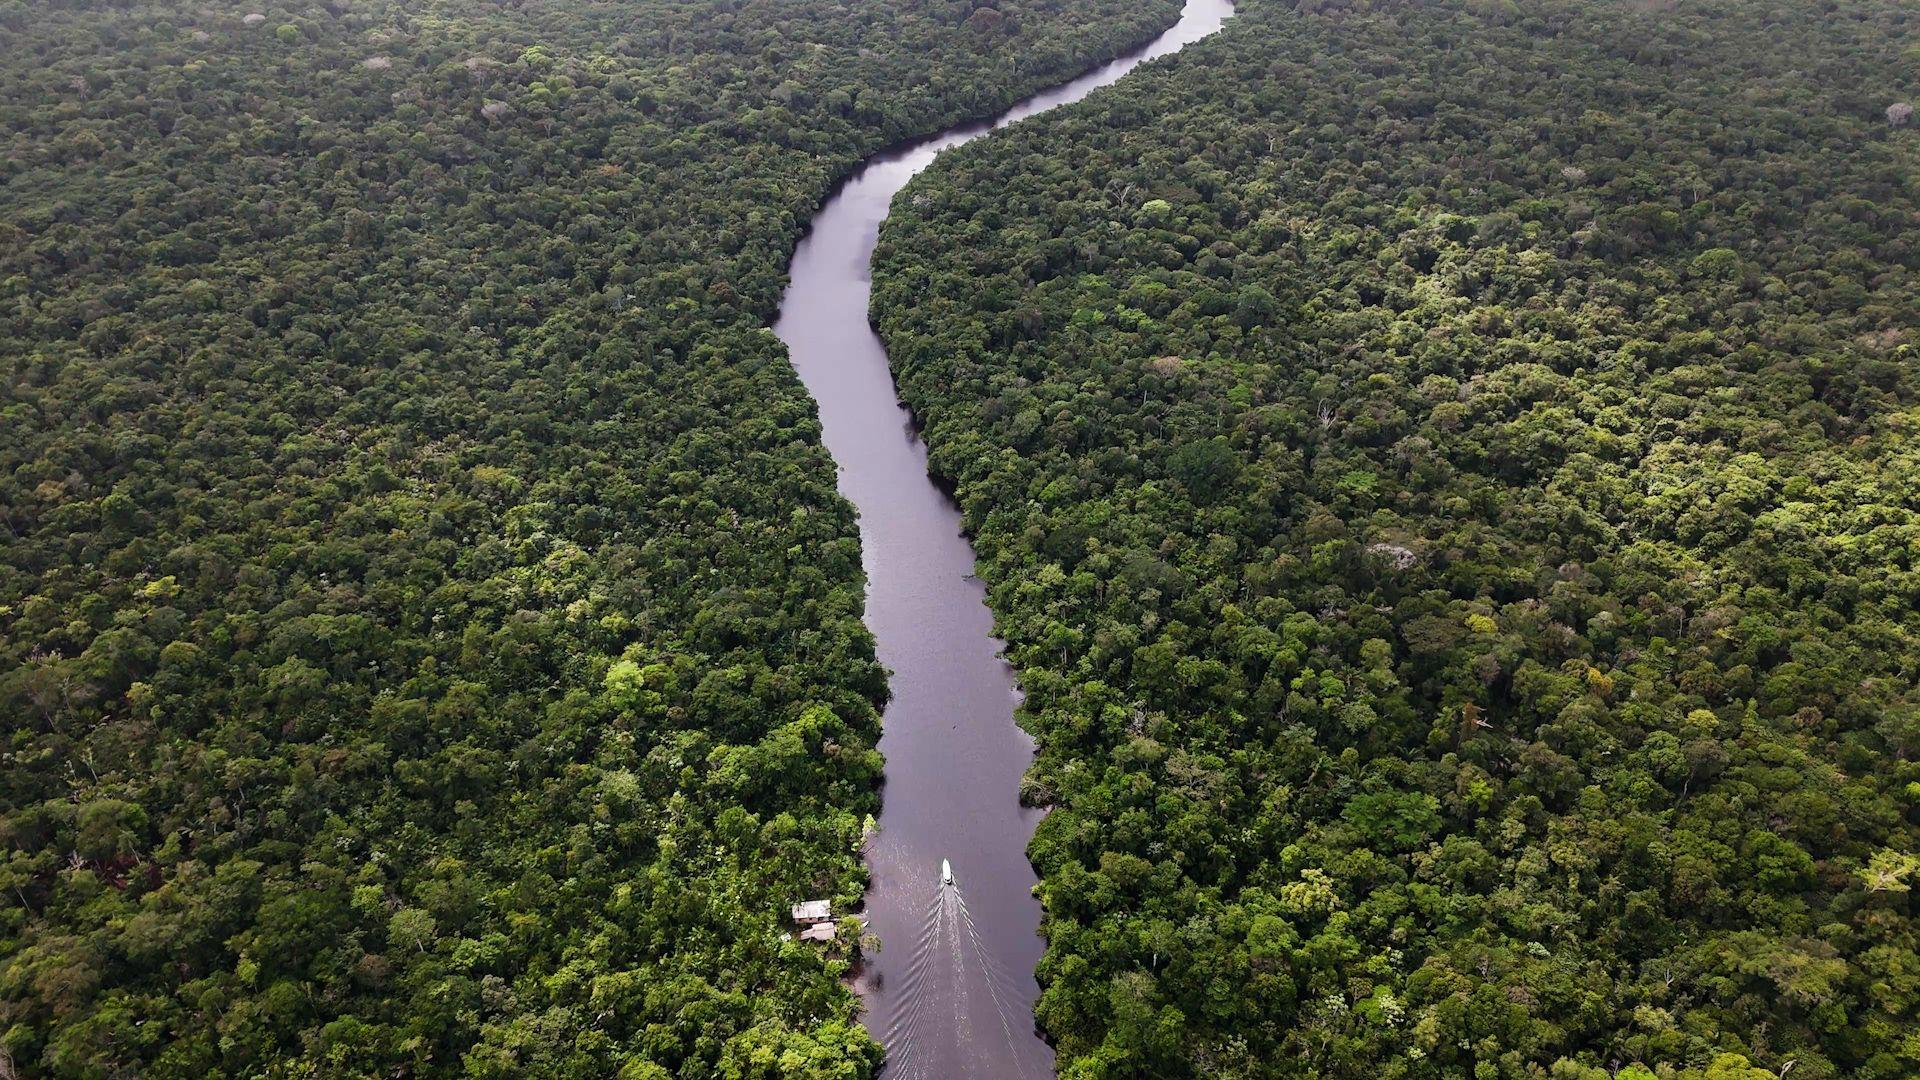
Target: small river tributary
x,y
952,990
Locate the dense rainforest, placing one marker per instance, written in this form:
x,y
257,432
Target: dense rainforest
x,y
1447,473
429,632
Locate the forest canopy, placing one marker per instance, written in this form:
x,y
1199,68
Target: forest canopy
x,y
1447,474
429,633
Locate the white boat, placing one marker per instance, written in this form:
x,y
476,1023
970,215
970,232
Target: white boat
x,y
946,872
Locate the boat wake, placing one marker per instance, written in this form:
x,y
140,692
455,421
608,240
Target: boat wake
x,y
950,962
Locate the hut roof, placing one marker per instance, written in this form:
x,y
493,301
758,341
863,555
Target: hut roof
x,y
812,911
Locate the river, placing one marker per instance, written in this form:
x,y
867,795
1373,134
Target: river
x,y
951,992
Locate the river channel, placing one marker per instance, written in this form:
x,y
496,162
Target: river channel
x,y
952,990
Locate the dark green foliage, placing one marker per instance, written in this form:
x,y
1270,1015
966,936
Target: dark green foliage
x,y
1447,474
429,633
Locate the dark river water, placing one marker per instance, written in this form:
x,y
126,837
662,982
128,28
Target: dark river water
x,y
951,992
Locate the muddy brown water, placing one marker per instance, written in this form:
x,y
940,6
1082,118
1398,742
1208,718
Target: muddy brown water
x,y
952,990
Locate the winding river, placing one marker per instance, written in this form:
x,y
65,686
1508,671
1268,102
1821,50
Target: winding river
x,y
951,993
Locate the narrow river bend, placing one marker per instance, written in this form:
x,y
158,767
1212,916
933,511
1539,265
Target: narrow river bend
x,y
951,993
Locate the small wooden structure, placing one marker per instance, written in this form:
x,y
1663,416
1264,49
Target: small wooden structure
x,y
812,912
820,931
